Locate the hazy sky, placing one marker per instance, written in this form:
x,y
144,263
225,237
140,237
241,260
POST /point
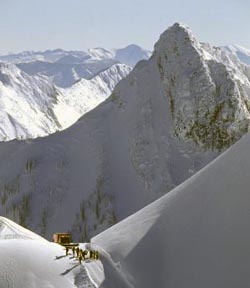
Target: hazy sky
x,y
80,24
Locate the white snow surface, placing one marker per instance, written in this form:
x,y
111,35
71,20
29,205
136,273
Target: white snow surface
x,y
30,106
85,95
195,236
28,260
11,230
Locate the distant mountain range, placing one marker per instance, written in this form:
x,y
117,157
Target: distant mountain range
x,y
242,53
167,119
64,68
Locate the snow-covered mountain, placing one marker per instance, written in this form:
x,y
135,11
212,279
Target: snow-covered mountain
x,y
63,73
85,95
131,54
195,236
31,106
242,53
64,68
46,56
26,104
165,121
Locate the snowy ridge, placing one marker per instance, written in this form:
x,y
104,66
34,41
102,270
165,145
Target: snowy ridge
x,y
26,104
87,94
31,106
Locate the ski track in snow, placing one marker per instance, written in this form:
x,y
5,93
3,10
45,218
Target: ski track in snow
x,y
82,279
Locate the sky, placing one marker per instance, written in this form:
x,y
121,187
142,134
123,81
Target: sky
x,y
82,24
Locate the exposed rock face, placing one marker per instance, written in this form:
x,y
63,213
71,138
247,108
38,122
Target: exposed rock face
x,y
209,105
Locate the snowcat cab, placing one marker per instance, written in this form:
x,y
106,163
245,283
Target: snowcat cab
x,y
62,238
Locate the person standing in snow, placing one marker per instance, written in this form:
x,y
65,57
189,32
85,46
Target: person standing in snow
x,y
84,254
73,250
80,258
77,252
67,251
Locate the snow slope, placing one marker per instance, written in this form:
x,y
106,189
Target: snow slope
x,y
166,120
26,104
242,53
85,95
27,260
11,230
195,236
31,106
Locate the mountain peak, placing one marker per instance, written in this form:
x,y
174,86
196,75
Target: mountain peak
x,y
178,35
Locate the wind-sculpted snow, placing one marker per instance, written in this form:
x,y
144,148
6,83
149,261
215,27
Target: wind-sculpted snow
x,y
166,120
195,236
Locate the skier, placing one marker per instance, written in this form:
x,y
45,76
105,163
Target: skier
x,y
73,250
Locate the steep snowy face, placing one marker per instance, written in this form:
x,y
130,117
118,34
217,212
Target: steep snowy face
x,y
165,121
26,104
208,91
85,95
31,106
